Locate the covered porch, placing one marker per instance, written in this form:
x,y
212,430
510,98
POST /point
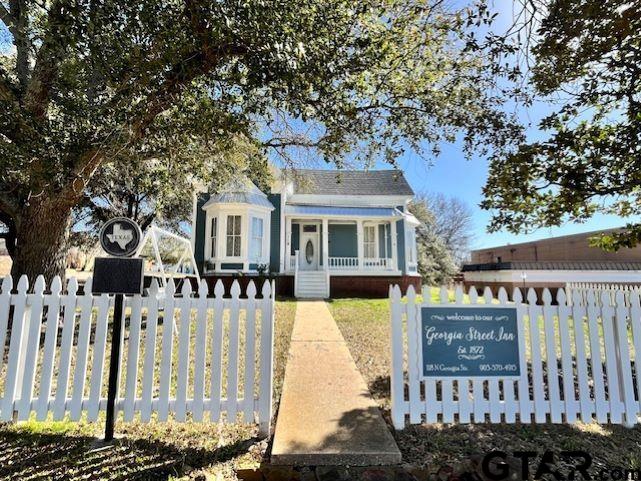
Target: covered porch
x,y
343,240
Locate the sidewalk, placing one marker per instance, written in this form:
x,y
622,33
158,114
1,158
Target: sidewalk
x,y
326,414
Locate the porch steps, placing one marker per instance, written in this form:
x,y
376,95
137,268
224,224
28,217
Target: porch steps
x,y
312,285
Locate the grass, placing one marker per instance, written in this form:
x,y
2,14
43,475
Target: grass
x,y
171,450
365,326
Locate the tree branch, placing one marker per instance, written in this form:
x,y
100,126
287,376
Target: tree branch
x,y
6,16
48,58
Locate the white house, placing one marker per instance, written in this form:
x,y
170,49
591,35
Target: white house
x,y
322,233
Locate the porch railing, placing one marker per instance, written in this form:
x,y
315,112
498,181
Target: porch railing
x,y
377,263
351,263
343,263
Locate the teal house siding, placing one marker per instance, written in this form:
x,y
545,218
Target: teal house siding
x,y
199,245
274,254
295,238
400,244
342,240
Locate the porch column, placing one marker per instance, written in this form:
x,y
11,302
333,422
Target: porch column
x,y
359,242
325,234
394,246
288,241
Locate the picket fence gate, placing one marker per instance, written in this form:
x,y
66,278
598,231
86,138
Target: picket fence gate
x,y
56,374
577,362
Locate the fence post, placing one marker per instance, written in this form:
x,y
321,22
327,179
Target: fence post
x,y
396,384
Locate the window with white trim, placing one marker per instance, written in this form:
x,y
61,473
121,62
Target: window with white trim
x,y
410,233
213,234
369,241
256,245
233,235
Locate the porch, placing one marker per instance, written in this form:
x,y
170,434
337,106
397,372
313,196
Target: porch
x,y
342,247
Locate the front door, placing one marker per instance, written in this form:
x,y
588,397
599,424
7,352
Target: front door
x,y
309,252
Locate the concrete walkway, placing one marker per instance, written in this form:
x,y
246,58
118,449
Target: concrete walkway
x,y
326,414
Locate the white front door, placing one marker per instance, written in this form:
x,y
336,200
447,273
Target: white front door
x,y
309,247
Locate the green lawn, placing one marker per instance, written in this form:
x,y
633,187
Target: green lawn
x,y
66,450
366,327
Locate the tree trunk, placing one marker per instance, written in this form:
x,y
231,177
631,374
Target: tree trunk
x,y
42,236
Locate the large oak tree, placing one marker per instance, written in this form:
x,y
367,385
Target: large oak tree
x,y
86,80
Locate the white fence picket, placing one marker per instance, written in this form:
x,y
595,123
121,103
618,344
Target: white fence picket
x,y
32,345
596,323
133,351
625,365
19,302
635,321
5,306
232,365
250,354
100,344
396,380
166,351
217,354
266,381
66,345
184,337
48,357
552,373
432,404
594,313
200,351
85,303
413,358
616,411
150,352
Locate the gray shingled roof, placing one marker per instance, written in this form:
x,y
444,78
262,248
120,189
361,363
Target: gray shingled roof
x,y
351,182
554,265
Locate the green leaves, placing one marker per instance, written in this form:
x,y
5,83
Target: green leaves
x,y
588,54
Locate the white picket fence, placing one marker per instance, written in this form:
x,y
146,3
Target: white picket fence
x,y
577,362
612,289
208,357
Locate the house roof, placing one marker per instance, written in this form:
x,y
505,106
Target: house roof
x,y
351,182
240,191
555,265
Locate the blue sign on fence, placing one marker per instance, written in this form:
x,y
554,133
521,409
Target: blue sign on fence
x,y
470,342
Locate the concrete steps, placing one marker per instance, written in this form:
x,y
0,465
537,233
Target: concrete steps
x,y
312,285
